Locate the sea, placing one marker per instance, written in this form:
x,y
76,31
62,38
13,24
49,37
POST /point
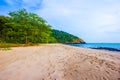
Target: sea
x,y
100,46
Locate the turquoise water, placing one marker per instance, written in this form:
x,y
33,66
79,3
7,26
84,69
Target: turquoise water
x,y
107,46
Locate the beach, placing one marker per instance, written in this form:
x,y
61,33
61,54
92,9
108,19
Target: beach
x,y
58,62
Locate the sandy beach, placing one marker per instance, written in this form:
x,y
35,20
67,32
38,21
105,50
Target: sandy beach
x,y
58,62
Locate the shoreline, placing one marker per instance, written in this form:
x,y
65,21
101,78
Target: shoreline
x,y
58,62
107,49
100,48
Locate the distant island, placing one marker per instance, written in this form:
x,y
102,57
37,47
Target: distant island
x,y
22,27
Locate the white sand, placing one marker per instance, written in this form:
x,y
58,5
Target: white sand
x,y
58,62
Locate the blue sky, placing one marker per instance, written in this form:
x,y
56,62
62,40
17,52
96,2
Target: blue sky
x,y
92,20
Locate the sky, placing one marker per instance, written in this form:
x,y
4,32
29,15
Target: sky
x,y
92,20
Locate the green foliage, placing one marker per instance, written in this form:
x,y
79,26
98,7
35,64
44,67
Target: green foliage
x,y
64,37
3,21
24,27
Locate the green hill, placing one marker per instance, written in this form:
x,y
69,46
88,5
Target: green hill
x,y
64,37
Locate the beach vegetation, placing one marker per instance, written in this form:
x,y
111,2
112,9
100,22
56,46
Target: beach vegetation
x,y
22,27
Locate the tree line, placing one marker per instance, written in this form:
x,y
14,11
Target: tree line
x,y
24,27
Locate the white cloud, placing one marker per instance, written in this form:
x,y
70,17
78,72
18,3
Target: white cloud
x,y
104,19
27,4
86,17
32,3
93,20
11,2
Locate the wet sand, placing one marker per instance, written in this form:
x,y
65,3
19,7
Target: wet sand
x,y
58,62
